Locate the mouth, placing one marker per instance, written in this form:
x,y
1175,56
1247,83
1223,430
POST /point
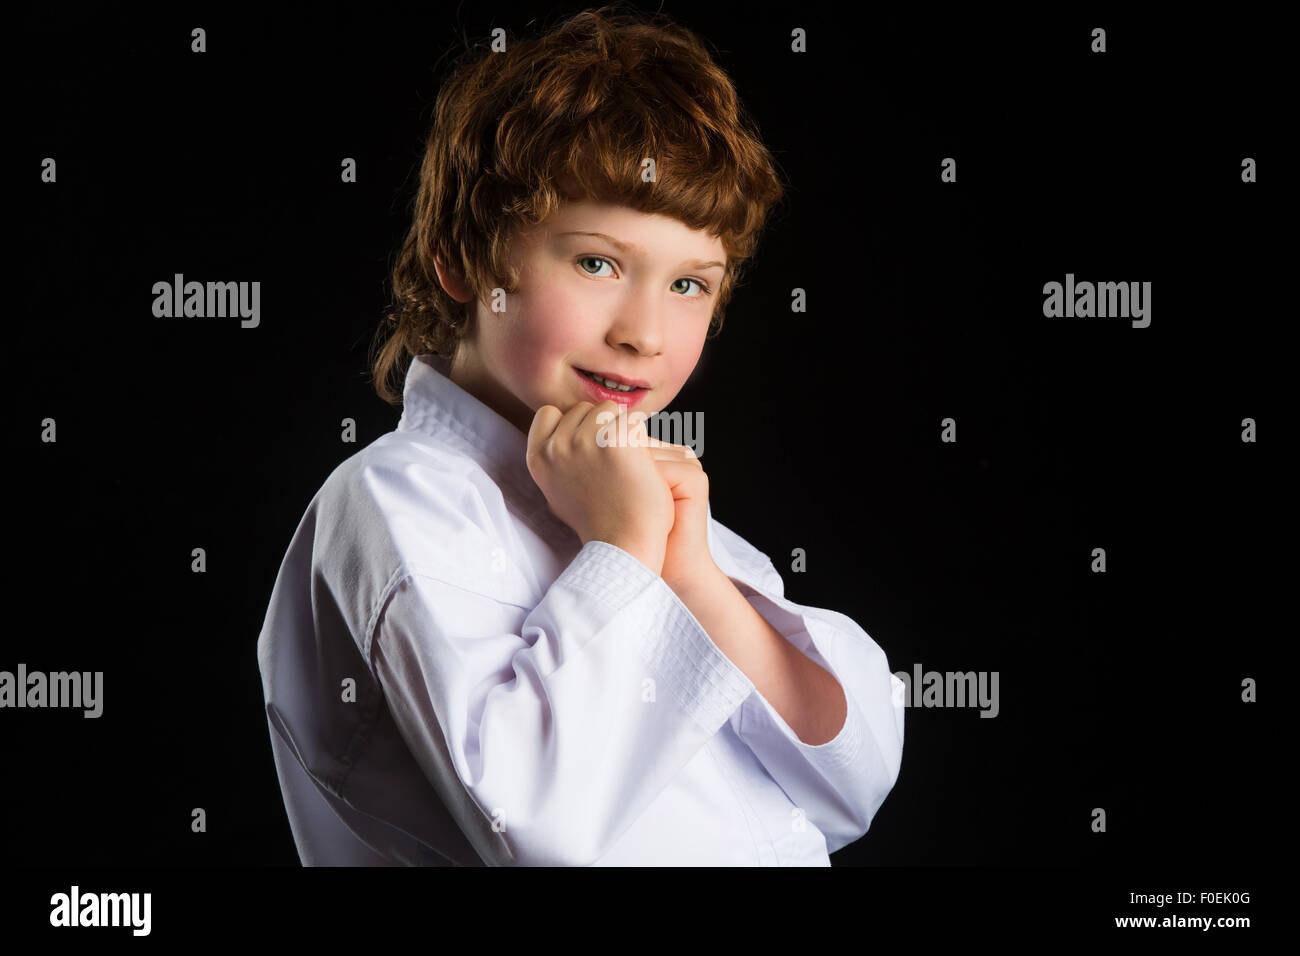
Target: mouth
x,y
605,392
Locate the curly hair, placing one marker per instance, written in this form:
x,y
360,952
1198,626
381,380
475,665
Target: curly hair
x,y
565,116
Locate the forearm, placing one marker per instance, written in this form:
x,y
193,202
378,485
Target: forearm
x,y
808,698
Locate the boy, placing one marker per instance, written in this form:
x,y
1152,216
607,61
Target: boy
x,y
498,638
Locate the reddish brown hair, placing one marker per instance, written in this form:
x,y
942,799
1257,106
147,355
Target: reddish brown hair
x,y
565,116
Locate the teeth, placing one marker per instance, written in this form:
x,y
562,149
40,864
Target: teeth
x,y
614,385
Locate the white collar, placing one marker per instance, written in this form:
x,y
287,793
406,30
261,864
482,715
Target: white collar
x,y
434,405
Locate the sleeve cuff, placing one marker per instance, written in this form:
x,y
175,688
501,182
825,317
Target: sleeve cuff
x,y
676,648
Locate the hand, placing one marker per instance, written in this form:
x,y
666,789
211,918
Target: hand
x,y
606,492
686,553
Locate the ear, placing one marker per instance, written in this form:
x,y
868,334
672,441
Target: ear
x,y
452,281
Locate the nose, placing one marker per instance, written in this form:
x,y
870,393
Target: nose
x,y
639,323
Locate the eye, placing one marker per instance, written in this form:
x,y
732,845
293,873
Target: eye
x,y
592,259
704,289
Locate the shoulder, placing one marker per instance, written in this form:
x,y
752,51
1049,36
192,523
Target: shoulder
x,y
422,507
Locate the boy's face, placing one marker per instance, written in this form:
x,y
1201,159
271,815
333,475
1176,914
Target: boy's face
x,y
585,303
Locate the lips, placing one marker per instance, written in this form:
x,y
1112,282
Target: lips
x,y
599,393
640,383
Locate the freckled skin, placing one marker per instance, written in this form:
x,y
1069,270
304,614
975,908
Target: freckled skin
x,y
583,302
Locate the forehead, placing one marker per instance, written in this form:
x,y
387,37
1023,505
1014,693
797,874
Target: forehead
x,y
648,233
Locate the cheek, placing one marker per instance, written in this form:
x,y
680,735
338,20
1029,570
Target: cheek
x,y
542,332
683,359
687,355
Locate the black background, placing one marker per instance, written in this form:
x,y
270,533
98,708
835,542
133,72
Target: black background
x,y
1119,690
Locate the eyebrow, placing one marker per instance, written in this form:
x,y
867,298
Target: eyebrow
x,y
629,247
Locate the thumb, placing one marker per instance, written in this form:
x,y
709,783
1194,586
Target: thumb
x,y
684,479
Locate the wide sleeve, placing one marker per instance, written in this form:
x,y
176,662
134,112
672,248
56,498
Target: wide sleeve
x,y
839,785
546,739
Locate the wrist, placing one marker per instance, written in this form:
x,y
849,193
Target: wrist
x,y
705,575
646,551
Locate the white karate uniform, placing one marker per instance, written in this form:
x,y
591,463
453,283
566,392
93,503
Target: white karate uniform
x,y
522,699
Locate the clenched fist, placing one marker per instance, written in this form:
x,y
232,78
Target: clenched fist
x,y
613,493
